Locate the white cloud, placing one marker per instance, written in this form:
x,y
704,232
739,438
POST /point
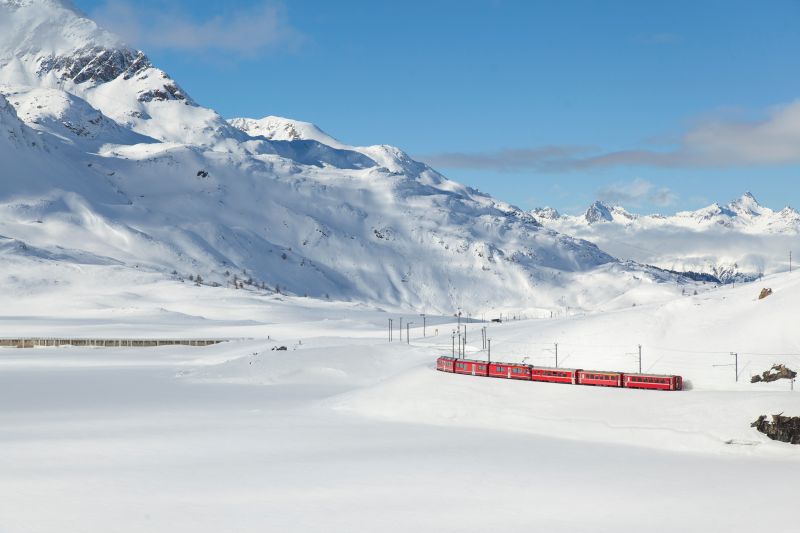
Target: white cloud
x,y
636,193
773,140
243,32
504,160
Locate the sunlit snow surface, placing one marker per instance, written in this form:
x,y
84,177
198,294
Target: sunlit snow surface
x,y
347,432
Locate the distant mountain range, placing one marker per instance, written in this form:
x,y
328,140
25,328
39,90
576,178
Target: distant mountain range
x,y
737,241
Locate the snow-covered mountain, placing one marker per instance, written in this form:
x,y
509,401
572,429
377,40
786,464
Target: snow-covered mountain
x,y
737,241
107,159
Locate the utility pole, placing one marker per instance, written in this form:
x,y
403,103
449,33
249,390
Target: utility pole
x,y
391,329
453,338
465,334
489,351
459,319
640,358
423,325
736,364
408,332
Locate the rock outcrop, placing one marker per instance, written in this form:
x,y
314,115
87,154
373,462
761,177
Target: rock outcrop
x,y
775,373
781,428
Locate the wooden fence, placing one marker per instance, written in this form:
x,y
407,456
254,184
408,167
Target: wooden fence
x,y
30,342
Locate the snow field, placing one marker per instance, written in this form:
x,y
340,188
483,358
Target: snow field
x,y
345,431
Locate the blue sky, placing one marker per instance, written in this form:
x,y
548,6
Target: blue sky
x,y
659,105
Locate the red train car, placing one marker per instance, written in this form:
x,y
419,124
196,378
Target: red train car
x,y
510,371
554,375
572,376
473,368
652,381
600,378
446,364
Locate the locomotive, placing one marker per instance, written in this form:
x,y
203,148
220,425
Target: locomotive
x,y
572,376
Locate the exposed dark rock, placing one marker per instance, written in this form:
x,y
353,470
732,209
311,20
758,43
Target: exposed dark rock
x,y
170,91
96,64
781,428
695,276
764,293
775,373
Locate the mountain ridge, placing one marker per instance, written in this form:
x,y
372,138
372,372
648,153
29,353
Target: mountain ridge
x,y
739,241
136,172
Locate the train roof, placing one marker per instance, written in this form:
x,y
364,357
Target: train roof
x,y
652,375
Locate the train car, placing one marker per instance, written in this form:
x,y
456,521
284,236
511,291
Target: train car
x,y
652,381
446,364
554,375
472,368
600,378
510,371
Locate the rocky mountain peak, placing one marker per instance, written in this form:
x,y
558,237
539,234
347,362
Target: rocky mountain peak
x,y
746,205
598,212
547,213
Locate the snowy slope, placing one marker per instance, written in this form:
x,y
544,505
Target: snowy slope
x,y
346,429
284,129
737,241
120,163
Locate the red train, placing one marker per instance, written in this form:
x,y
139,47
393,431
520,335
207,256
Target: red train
x,y
558,375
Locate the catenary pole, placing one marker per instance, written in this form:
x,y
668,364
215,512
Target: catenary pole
x,y
640,358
